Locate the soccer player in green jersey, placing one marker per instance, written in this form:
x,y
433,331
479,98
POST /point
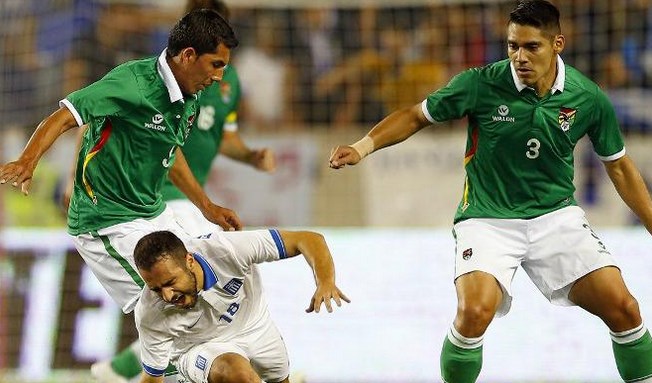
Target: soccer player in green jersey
x,y
137,117
215,130
525,115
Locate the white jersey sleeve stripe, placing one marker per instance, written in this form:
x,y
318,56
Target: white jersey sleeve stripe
x,y
72,110
424,109
279,243
612,157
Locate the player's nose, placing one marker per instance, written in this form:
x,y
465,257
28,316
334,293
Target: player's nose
x,y
167,294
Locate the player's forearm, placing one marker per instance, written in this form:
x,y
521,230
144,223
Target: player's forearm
x,y
46,134
632,189
397,127
234,148
182,177
315,250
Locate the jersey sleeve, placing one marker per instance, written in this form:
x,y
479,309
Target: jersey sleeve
x,y
109,96
155,340
453,101
257,246
604,132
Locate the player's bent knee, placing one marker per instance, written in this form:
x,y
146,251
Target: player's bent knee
x,y
473,319
232,368
624,314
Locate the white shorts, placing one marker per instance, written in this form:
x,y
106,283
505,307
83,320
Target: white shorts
x,y
555,250
109,253
190,218
263,347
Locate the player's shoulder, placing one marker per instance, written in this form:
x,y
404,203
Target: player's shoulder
x,y
492,71
231,74
135,67
149,309
576,81
490,74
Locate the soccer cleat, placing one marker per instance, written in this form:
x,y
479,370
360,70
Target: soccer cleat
x,y
103,373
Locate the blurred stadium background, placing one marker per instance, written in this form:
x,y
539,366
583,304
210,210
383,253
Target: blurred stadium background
x,y
317,74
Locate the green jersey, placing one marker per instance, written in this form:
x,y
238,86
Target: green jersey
x,y
519,152
218,113
136,117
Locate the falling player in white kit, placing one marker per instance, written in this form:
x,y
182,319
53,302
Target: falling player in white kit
x,y
205,312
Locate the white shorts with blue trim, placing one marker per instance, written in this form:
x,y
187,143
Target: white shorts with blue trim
x,y
263,346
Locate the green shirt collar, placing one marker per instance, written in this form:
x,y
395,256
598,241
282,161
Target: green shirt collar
x,y
557,86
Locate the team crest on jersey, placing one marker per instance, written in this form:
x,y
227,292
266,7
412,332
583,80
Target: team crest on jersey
x,y
191,119
566,118
225,92
467,254
200,363
233,286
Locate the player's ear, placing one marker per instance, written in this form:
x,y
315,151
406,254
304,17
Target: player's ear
x,y
190,259
188,55
558,43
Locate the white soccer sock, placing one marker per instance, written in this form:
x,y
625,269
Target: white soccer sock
x,y
628,336
463,342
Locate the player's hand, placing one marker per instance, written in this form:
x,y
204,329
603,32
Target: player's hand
x,y
324,294
263,159
226,218
342,156
16,173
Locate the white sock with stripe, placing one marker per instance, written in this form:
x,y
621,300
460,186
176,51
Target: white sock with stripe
x,y
463,342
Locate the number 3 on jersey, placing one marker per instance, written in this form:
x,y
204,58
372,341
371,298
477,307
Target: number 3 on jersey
x,y
533,146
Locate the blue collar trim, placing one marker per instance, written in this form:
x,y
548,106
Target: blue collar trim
x,y
210,278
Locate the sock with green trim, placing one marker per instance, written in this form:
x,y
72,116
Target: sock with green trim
x,y
461,358
127,362
633,354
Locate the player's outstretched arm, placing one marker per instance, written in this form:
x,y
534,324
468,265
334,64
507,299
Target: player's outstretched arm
x,y
182,177
20,172
315,250
234,148
395,128
631,187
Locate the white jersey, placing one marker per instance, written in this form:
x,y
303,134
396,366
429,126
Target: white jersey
x,y
230,303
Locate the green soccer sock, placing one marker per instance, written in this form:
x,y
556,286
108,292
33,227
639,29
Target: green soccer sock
x,y
633,353
461,358
127,362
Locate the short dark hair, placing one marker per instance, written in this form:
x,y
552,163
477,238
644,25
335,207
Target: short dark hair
x,y
217,5
203,30
540,14
158,245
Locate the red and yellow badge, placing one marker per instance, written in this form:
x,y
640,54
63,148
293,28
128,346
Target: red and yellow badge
x,y
566,118
225,92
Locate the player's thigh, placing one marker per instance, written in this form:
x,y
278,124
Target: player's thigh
x,y
494,247
603,293
110,258
267,352
109,254
564,249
